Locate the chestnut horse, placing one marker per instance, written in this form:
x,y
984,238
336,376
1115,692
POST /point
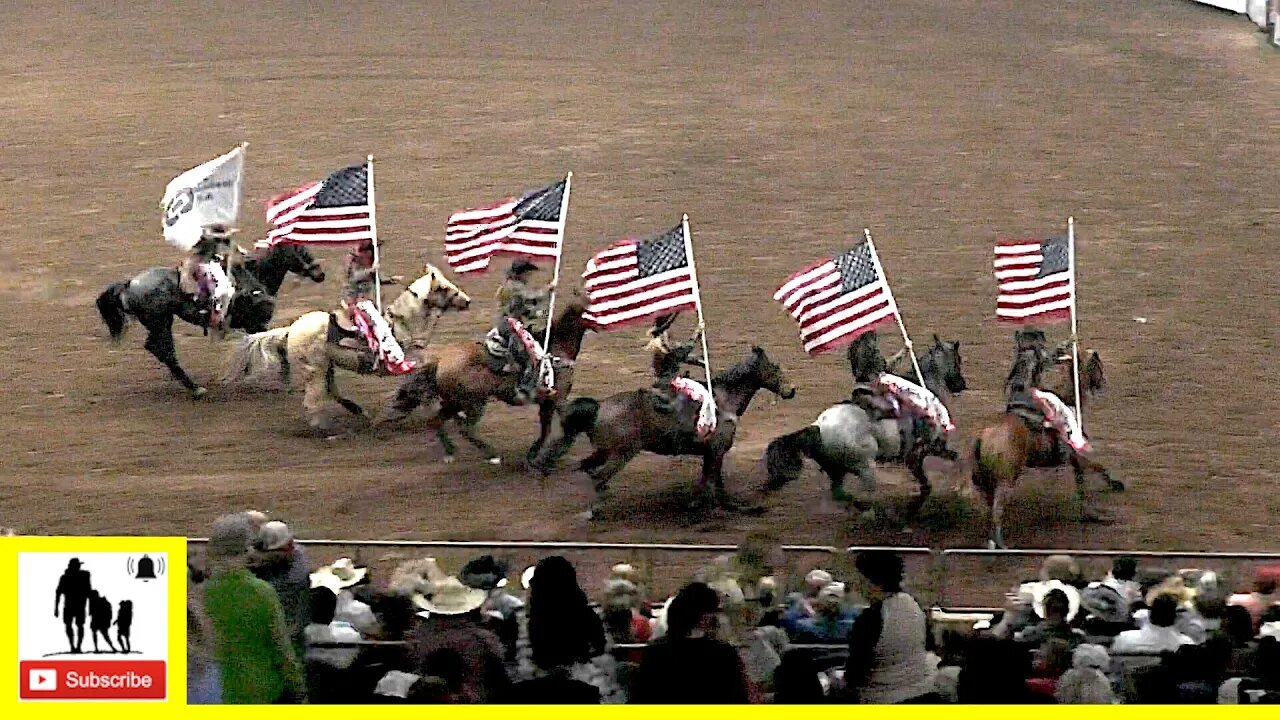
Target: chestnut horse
x,y
463,377
1003,450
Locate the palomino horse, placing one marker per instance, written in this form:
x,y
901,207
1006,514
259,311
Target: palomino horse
x,y
154,297
845,438
623,425
304,352
1003,450
463,378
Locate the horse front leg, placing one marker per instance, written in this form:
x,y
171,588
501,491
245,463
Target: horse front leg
x,y
546,413
160,344
914,461
470,419
1080,468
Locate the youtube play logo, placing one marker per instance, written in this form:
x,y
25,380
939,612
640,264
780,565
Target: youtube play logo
x,y
42,679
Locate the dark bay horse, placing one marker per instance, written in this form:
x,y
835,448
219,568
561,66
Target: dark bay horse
x,y
154,298
1015,442
625,424
463,377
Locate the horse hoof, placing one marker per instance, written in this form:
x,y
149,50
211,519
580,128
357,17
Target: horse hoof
x,y
991,544
494,461
1115,485
587,515
199,393
450,459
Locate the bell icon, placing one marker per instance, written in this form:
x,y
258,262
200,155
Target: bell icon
x,y
146,569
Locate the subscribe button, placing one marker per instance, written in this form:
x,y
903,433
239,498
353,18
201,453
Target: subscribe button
x,y
91,680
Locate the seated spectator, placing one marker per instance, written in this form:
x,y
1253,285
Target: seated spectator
x,y
561,631
1157,635
800,605
888,663
1055,609
1059,572
1086,683
324,628
831,621
453,623
690,665
1122,579
1051,660
1237,628
797,680
343,577
1262,597
996,673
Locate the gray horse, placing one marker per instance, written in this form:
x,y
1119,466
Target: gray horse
x,y
154,298
852,435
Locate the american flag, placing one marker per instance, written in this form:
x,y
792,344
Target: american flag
x,y
837,300
530,226
1034,278
633,280
333,211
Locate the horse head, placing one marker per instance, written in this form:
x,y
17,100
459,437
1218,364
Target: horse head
x,y
944,357
415,312
298,259
768,375
1028,366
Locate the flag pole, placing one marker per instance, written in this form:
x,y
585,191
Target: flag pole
x,y
373,227
893,304
1075,342
548,368
702,324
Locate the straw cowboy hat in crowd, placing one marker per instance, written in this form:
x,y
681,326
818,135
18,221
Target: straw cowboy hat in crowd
x,y
273,535
416,577
340,575
1175,586
451,597
1040,590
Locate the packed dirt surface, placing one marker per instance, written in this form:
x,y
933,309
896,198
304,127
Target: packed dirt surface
x,y
782,129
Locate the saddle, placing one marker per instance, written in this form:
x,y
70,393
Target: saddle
x,y
875,403
342,331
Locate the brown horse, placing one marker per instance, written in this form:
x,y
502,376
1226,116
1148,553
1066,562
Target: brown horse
x,y
1003,450
627,423
463,377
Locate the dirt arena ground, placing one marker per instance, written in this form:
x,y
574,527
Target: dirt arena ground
x,y
780,128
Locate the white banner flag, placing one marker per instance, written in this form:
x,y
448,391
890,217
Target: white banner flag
x,y
202,196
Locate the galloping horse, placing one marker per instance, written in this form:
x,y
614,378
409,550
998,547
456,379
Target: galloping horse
x,y
623,425
463,377
1003,450
154,297
307,348
844,438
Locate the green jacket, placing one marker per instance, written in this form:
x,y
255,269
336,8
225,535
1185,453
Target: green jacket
x,y
251,640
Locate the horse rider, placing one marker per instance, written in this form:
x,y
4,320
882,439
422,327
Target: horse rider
x,y
203,277
522,316
1037,407
358,313
668,361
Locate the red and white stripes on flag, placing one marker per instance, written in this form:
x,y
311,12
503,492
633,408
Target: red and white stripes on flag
x,y
634,281
838,299
531,226
333,211
1035,280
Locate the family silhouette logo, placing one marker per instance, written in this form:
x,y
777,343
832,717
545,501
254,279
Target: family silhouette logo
x,y
92,626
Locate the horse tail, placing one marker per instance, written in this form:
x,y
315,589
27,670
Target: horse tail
x,y
112,309
988,466
258,353
577,417
785,456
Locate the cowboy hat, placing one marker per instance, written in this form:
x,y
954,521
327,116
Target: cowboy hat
x,y
341,574
451,597
1172,585
219,231
526,577
273,535
484,572
521,266
1040,590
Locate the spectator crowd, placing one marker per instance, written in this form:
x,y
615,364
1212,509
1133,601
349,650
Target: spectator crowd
x,y
265,626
